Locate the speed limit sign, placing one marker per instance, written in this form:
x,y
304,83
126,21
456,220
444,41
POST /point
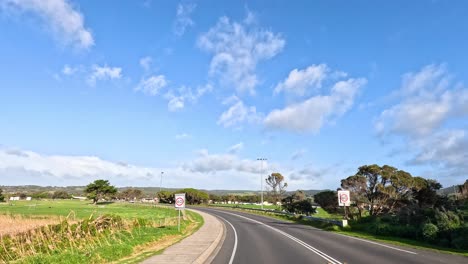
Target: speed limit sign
x,y
344,198
179,201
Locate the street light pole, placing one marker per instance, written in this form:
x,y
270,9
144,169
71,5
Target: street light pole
x,y
160,183
261,178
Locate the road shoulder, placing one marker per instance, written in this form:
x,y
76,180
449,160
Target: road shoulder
x,y
200,247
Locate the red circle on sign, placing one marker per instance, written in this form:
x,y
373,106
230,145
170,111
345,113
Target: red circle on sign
x,y
343,198
179,201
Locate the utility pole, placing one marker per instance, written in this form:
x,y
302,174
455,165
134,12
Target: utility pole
x,y
261,178
160,183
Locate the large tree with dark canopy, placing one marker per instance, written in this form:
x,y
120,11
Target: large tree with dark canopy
x,y
384,189
328,200
99,189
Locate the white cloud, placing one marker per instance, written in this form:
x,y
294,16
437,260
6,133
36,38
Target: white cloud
x,y
212,163
183,19
238,113
62,18
237,49
217,171
250,18
443,154
428,100
145,63
311,114
57,168
448,148
68,70
308,174
430,79
177,98
299,81
234,149
183,136
176,103
416,116
101,73
152,85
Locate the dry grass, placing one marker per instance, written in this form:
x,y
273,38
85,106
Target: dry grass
x,y
14,224
69,235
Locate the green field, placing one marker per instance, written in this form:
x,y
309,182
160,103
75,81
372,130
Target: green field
x,y
84,209
87,233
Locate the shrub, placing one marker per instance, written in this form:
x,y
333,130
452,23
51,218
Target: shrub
x,y
447,220
406,231
2,198
460,238
383,229
429,231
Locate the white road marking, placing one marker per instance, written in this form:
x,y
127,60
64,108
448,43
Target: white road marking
x,y
300,242
235,240
375,243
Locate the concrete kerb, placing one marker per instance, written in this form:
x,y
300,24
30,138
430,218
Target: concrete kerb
x,y
211,252
200,247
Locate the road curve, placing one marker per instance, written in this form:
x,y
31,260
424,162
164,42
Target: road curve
x,y
257,239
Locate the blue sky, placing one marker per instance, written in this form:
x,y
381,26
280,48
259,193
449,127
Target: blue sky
x,y
124,90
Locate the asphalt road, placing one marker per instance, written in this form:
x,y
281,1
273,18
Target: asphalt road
x,y
256,239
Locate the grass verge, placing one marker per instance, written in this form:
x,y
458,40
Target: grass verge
x,y
99,238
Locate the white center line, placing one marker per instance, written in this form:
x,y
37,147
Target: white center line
x,y
300,242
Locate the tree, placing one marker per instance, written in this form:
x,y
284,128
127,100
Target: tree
x,y
214,197
463,190
194,196
130,194
297,203
425,192
299,195
249,198
42,195
61,195
277,186
99,189
2,198
21,195
328,200
386,189
166,197
357,187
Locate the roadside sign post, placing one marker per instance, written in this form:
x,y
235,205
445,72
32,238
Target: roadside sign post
x,y
344,199
179,205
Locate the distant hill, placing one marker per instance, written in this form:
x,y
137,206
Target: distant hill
x,y
78,190
447,191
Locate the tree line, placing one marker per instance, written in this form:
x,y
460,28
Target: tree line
x,y
392,202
